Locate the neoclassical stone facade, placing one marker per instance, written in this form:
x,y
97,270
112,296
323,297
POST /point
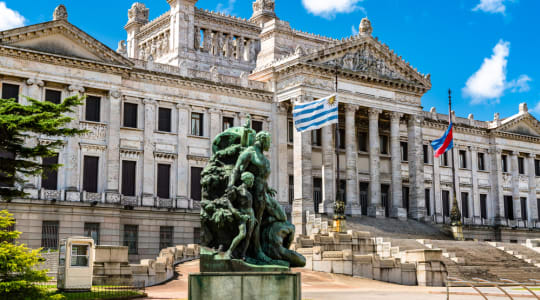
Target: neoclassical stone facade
x,y
154,105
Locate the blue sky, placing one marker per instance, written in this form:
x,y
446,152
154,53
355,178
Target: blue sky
x,y
486,51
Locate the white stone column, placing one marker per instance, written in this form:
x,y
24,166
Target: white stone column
x,y
182,200
148,179
32,90
237,122
417,204
113,148
515,185
375,208
282,153
496,186
351,154
215,123
71,156
475,197
532,203
397,210
328,181
303,180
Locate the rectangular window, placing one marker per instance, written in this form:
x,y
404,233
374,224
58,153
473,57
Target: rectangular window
x,y
196,235
463,159
163,181
130,115
508,208
425,152
164,122
537,167
385,199
49,235
523,202
6,181
92,230
521,165
504,163
228,122
79,255
465,204
446,203
49,178
481,162
53,96
10,91
257,126
427,197
444,159
129,172
341,141
316,137
197,124
364,192
165,236
405,197
93,104
290,130
317,193
483,206
131,238
196,183
343,190
384,144
362,141
90,174
404,146
291,189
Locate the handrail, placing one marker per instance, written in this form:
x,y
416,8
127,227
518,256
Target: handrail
x,y
523,286
477,283
496,285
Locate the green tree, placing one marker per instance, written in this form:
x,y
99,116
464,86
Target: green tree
x,y
20,125
17,273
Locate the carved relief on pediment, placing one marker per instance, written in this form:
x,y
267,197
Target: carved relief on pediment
x,y
365,60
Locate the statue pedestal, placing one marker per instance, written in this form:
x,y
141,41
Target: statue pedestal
x,y
245,285
457,232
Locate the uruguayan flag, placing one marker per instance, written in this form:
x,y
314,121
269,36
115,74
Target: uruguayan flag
x,y
316,114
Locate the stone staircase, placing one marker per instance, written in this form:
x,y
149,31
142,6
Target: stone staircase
x,y
468,260
519,251
397,229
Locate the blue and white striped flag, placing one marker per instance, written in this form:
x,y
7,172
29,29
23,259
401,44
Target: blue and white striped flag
x,y
316,114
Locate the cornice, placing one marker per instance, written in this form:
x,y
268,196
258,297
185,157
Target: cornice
x,y
152,25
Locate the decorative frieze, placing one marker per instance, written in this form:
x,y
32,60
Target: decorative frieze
x,y
94,131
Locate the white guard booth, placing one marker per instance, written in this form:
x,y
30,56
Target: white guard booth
x,y
75,265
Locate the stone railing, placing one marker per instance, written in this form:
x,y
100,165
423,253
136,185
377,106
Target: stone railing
x,y
356,253
111,265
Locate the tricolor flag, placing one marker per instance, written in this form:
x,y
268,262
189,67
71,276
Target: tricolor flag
x,y
445,143
316,114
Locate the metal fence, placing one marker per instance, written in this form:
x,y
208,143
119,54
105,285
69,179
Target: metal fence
x,y
502,288
98,291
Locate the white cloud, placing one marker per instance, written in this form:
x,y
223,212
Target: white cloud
x,y
491,6
536,109
354,31
329,8
9,18
226,9
520,85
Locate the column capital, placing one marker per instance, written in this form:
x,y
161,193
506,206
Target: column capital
x,y
351,107
416,119
148,101
374,112
283,107
115,94
32,81
531,155
395,116
497,151
515,153
76,88
474,148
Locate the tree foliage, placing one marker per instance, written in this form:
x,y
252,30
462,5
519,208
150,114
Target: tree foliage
x,y
20,126
18,277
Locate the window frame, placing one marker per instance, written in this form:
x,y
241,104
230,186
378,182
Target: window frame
x,y
404,149
166,237
99,106
483,206
223,122
481,161
86,256
84,174
200,124
383,144
261,122
521,165
89,227
46,241
191,187
124,114
168,127
504,163
159,180
123,177
52,90
463,163
363,144
316,137
13,84
46,176
126,242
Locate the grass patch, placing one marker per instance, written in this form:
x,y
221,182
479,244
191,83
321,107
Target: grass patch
x,y
531,288
97,292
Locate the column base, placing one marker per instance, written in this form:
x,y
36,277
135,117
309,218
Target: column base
x,y
376,211
399,213
147,200
353,210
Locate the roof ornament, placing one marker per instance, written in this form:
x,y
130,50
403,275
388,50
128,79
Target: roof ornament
x,y
122,49
138,13
365,27
523,108
60,13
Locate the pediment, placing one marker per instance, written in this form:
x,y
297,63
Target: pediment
x,y
61,38
366,56
522,125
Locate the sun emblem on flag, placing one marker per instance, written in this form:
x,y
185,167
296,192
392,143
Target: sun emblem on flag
x,y
332,100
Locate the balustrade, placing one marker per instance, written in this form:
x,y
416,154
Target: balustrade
x,y
224,44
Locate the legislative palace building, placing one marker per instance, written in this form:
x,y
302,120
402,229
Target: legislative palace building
x,y
154,105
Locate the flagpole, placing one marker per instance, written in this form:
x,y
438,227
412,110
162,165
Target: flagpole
x,y
455,215
339,208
